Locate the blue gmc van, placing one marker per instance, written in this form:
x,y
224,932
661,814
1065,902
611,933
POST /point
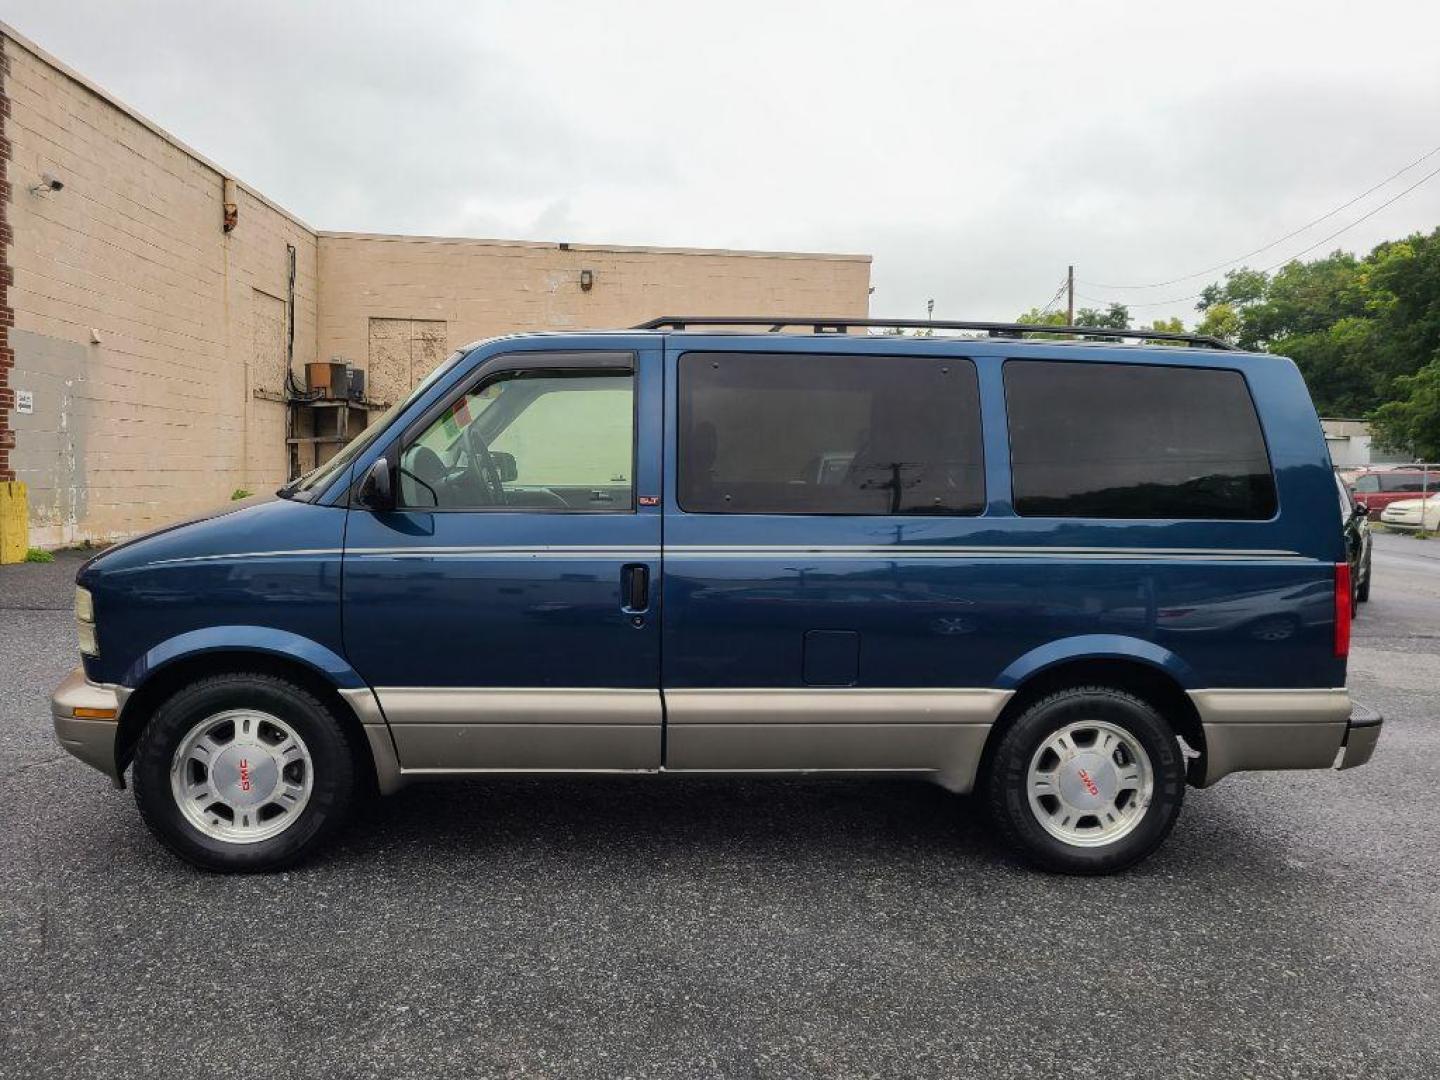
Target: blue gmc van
x,y
1067,574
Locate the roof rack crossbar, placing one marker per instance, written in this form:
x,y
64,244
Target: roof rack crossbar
x,y
830,324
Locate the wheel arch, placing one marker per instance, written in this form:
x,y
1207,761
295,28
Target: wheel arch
x,y
1145,676
164,679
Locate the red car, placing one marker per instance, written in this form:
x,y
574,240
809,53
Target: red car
x,y
1377,489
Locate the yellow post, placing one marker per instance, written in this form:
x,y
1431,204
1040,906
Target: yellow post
x,y
14,521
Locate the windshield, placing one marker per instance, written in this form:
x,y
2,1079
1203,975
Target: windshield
x,y
305,487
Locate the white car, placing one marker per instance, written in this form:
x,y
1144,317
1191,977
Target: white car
x,y
1407,514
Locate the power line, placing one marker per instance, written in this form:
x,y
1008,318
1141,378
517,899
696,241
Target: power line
x,y
1274,243
1305,251
1054,299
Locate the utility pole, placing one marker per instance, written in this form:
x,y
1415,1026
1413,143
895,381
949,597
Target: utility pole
x,y
1070,296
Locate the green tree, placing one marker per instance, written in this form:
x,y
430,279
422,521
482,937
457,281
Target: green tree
x,y
1412,422
1354,325
1167,326
1114,317
1239,289
1036,317
1042,318
1221,320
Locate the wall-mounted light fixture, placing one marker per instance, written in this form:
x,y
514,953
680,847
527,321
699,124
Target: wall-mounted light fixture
x,y
47,184
587,280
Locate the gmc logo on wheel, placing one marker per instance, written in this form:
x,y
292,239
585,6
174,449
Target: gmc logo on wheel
x,y
1090,785
245,774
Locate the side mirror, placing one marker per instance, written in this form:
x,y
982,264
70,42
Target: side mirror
x,y
1361,510
505,466
376,492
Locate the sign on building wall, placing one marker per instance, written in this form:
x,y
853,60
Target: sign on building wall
x,y
24,402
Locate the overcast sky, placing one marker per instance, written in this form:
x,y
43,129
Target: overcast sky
x,y
973,149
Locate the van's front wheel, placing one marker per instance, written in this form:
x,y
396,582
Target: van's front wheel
x,y
243,772
1086,781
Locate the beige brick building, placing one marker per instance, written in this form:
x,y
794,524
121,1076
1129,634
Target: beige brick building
x,y
151,305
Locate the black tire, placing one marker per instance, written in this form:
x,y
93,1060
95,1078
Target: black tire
x,y
1005,777
334,763
1362,593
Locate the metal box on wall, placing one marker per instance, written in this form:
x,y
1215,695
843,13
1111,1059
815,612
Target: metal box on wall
x,y
328,379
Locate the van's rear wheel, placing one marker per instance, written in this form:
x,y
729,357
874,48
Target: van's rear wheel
x,y
1086,781
243,772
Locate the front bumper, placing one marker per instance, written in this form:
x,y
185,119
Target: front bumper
x,y
1362,732
91,735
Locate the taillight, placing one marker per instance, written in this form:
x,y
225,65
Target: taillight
x,y
1342,609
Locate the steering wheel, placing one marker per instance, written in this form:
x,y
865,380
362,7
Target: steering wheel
x,y
489,474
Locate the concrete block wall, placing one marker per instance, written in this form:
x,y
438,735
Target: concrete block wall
x,y
133,311
480,288
151,341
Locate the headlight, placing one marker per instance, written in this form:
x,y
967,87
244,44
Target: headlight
x,y
88,645
85,622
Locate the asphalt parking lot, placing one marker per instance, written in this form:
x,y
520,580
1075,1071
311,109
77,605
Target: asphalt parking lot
x,y
698,928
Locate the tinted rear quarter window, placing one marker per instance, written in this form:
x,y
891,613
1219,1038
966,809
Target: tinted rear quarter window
x,y
808,433
1407,480
1103,440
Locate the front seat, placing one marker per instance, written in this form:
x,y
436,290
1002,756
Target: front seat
x,y
422,478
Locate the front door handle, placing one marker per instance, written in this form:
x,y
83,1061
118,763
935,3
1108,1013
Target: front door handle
x,y
635,586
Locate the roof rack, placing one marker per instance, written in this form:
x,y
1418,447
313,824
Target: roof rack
x,y
832,325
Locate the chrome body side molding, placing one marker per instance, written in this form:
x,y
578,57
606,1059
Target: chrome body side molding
x,y
956,551
747,551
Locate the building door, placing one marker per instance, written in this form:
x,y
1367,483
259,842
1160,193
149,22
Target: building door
x,y
507,613
402,352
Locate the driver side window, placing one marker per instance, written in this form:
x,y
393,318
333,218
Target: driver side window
x,y
528,440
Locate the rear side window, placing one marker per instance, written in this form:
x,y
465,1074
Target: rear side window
x,y
1407,480
1135,441
807,433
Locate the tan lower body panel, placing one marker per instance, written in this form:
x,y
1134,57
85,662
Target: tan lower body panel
x,y
1270,729
377,736
456,730
90,740
1238,747
940,733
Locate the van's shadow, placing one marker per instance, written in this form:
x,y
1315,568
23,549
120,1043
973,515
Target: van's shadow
x,y
664,817
646,820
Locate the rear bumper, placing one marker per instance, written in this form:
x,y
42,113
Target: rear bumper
x,y
1282,729
89,737
1361,734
